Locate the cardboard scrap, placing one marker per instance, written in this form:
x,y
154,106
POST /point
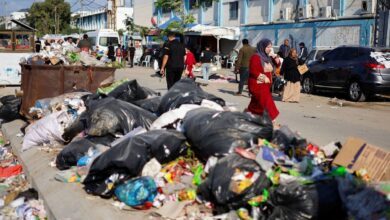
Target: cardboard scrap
x,y
357,154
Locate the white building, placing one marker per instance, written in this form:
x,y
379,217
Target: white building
x,y
98,19
18,16
314,22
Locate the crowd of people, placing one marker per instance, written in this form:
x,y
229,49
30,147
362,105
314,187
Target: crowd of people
x,y
259,67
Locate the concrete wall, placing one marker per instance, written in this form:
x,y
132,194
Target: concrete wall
x,y
257,11
254,36
143,12
314,34
281,5
295,36
208,15
225,15
340,36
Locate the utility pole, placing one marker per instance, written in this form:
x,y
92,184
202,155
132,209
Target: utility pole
x,y
111,11
55,19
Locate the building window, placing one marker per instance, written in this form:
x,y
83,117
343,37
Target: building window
x,y
208,3
233,10
166,10
192,4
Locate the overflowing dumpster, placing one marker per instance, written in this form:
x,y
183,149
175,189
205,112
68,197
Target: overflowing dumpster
x,y
46,81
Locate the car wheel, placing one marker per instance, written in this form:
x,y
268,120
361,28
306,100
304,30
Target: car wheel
x,y
355,92
308,85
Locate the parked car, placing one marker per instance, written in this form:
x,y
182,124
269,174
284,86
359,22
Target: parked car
x,y
359,71
316,54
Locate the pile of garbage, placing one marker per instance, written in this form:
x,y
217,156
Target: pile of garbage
x,y
69,56
17,199
187,147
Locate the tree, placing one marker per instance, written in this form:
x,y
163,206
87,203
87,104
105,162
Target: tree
x,y
50,16
177,6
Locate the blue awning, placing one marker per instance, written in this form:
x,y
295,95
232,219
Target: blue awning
x,y
173,19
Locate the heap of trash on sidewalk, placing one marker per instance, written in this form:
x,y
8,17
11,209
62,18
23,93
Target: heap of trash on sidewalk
x,y
17,199
187,155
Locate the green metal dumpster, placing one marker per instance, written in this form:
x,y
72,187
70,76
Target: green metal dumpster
x,y
45,81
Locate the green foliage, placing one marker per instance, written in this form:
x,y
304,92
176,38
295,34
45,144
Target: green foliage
x,y
177,6
42,16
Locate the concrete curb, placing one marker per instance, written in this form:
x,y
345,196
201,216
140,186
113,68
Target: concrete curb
x,y
63,201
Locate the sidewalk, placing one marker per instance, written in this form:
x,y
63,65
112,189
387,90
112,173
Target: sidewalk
x,y
63,201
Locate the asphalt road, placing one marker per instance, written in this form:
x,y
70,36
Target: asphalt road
x,y
315,117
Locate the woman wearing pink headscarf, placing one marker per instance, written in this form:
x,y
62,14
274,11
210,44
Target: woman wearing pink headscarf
x,y
261,67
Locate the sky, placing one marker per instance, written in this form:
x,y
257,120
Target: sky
x,y
8,6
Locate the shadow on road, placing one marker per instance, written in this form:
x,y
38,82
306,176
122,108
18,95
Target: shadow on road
x,y
344,96
244,94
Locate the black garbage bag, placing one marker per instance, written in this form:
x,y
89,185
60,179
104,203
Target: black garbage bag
x,y
109,116
149,104
303,202
131,91
361,201
76,149
130,156
185,91
77,126
220,188
215,133
290,142
9,111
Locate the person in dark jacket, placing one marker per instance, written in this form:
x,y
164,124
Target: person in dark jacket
x,y
173,60
291,74
206,58
131,55
111,52
302,53
284,48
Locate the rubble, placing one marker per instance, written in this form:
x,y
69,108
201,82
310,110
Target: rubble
x,y
17,199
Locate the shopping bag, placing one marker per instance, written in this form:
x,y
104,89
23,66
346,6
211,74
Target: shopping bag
x,y
302,69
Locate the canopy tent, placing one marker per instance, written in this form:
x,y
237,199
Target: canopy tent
x,y
171,20
230,33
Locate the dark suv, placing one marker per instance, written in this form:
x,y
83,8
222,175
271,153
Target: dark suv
x,y
351,69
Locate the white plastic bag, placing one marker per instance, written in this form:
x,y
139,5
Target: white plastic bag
x,y
47,130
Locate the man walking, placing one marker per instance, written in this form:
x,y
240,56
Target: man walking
x,y
131,55
84,44
302,53
38,45
284,49
206,58
173,60
242,64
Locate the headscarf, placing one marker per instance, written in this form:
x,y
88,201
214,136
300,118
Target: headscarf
x,y
290,55
261,50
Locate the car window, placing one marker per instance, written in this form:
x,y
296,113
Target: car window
x,y
320,53
311,55
105,41
332,55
